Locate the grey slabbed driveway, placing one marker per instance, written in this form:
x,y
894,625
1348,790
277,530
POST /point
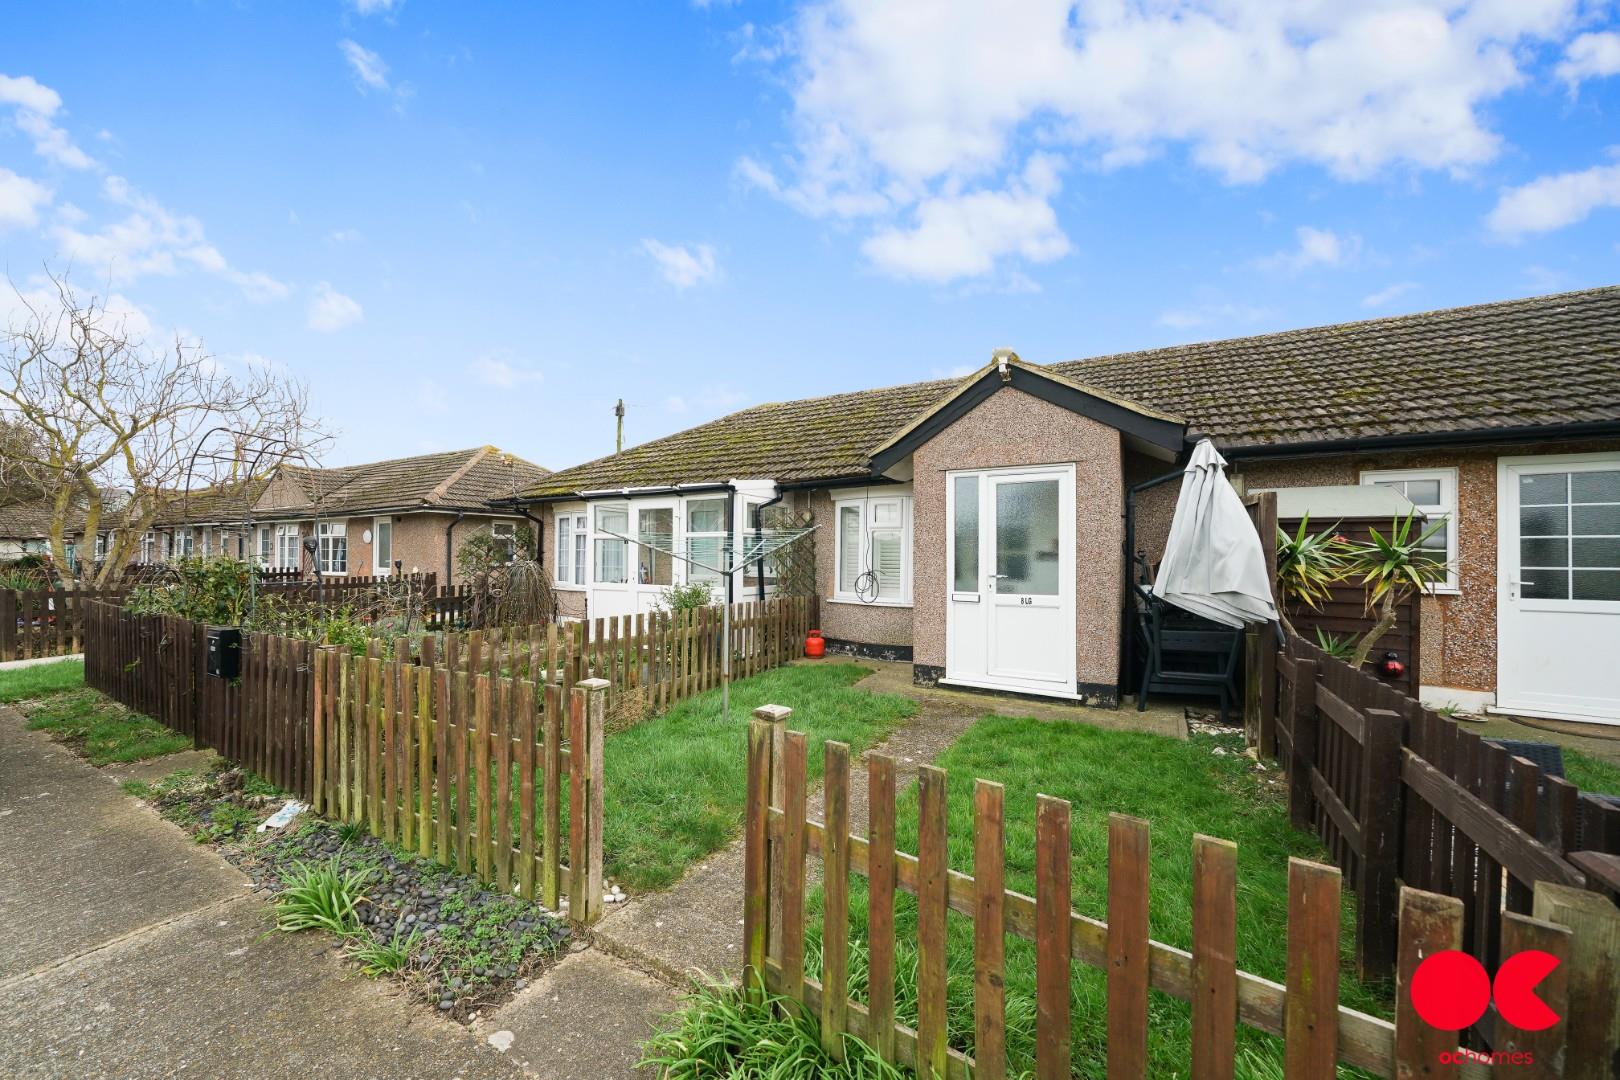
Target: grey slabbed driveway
x,y
128,951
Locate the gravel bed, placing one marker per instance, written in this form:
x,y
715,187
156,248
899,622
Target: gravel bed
x,y
471,948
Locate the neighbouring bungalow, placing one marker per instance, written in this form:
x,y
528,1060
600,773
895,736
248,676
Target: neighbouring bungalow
x,y
976,527
366,520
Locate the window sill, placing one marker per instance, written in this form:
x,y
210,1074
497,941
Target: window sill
x,y
560,587
855,602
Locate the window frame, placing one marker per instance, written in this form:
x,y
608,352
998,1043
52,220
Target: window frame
x,y
576,559
294,533
692,575
382,567
598,539
326,535
1447,478
868,507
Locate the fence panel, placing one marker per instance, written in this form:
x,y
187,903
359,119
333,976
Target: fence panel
x,y
1318,1033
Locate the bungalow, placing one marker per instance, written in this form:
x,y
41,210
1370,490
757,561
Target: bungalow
x,y
976,527
364,519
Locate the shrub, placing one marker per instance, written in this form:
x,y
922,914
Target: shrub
x,y
212,589
688,597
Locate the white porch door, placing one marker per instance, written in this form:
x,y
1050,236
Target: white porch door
x,y
1009,622
1558,587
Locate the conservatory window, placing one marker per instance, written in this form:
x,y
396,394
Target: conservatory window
x,y
705,538
612,554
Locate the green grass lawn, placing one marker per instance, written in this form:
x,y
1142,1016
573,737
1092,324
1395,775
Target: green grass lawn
x,y
40,680
676,786
1591,774
103,730
1181,788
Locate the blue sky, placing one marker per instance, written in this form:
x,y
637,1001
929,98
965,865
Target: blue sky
x,y
482,224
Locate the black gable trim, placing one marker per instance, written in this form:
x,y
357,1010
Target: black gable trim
x,y
1169,434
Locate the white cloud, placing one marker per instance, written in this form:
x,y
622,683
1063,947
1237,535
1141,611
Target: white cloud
x,y
899,104
36,105
367,66
683,267
495,370
1590,56
344,236
152,240
1554,201
1315,247
376,7
38,298
1385,296
330,310
20,200
963,235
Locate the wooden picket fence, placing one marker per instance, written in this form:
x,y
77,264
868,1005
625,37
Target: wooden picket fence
x,y
1402,796
37,623
1318,1033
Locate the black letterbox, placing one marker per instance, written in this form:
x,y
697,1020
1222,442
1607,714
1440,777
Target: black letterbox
x,y
224,651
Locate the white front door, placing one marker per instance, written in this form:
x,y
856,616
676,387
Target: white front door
x,y
1009,621
1558,586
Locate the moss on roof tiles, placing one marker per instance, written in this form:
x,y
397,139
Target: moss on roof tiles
x,y
1545,360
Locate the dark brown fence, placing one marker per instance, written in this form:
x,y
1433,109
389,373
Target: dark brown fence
x,y
1317,1032
1403,795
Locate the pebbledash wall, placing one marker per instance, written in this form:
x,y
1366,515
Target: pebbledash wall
x,y
1459,629
1046,434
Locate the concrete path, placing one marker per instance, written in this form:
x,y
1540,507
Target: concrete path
x,y
128,951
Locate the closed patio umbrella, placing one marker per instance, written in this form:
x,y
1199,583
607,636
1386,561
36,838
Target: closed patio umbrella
x,y
1214,564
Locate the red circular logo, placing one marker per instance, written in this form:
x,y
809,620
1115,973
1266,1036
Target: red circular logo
x,y
1450,990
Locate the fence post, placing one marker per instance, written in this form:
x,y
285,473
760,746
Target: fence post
x,y
1268,692
1302,724
1593,1022
776,718
8,624
1251,689
1378,891
757,858
589,707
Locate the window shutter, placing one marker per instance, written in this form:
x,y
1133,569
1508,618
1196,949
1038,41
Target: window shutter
x,y
849,547
888,561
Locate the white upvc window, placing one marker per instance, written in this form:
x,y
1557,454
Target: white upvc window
x,y
332,547
506,533
148,548
183,542
101,547
382,545
287,551
873,549
612,554
1433,491
572,533
265,545
705,538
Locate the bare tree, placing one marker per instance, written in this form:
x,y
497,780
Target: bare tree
x,y
122,433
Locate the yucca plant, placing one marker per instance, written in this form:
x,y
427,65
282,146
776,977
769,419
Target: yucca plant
x,y
1391,568
1309,564
1340,648
321,897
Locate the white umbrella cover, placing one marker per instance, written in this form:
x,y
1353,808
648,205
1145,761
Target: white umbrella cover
x,y
1214,564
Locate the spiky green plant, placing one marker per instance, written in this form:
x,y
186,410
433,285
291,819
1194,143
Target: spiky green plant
x,y
1340,648
378,958
1309,564
1391,568
321,897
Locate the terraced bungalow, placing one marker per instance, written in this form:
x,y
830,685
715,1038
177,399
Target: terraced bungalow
x,y
976,527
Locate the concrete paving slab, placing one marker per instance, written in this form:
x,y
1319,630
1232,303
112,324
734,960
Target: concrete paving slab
x,y
81,862
152,770
585,1019
213,994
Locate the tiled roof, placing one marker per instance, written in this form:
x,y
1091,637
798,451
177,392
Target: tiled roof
x,y
31,521
1517,363
219,504
454,479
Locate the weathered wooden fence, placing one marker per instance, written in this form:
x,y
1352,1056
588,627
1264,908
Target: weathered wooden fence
x,y
463,766
1317,1032
1404,796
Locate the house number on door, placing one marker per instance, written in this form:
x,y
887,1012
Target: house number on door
x,y
1026,601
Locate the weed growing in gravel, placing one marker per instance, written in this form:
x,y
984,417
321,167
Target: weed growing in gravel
x,y
321,897
383,957
349,832
724,1032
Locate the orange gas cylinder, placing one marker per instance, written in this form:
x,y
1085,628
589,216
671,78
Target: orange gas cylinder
x,y
815,645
